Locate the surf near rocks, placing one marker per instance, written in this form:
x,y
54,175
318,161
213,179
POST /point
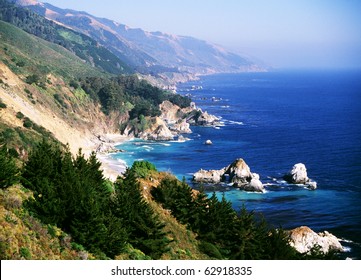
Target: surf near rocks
x,y
237,173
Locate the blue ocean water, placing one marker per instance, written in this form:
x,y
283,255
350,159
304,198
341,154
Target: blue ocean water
x,y
274,120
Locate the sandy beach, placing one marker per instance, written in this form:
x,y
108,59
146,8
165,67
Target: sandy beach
x,y
112,168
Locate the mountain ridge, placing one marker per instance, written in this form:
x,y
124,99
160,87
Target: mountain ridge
x,y
150,53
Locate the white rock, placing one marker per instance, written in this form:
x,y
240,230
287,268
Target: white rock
x,y
303,239
255,185
299,174
208,176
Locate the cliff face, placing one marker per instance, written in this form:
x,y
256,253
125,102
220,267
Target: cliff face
x,y
76,126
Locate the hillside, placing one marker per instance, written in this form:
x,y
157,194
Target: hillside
x,y
45,88
163,55
79,44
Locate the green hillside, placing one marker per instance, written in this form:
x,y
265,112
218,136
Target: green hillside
x,y
26,54
81,45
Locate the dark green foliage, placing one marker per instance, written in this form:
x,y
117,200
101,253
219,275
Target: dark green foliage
x,y
72,194
28,123
83,46
60,100
114,93
20,115
144,228
2,105
223,233
141,169
8,168
25,253
210,249
32,79
177,197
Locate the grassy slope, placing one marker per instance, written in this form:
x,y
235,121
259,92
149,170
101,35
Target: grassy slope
x,y
24,237
51,100
39,56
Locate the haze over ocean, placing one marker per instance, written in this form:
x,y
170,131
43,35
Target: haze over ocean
x,y
273,121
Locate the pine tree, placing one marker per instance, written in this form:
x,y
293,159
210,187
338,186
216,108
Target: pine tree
x,y
43,165
8,169
145,231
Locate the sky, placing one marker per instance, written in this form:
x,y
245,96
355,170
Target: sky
x,y
281,33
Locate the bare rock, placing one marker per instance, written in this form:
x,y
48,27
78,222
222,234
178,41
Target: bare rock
x,y
181,126
255,185
303,239
207,119
239,172
208,176
298,175
158,131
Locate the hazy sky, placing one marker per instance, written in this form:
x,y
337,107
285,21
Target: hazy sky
x,y
282,33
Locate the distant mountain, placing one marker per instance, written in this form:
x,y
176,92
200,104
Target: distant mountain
x,y
148,52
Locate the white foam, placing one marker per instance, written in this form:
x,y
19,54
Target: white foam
x,y
146,147
235,122
346,249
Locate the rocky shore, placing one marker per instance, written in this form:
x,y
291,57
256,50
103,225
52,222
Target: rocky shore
x,y
172,123
237,173
304,239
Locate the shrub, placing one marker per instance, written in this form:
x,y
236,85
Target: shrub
x,y
20,115
2,105
210,249
141,169
32,79
27,123
25,253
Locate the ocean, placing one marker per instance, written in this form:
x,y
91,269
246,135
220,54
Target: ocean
x,y
274,120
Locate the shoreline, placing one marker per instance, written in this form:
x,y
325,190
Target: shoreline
x,y
111,168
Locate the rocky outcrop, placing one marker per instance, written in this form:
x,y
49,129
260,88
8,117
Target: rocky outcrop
x,y
179,119
158,131
181,126
303,239
298,175
200,118
238,173
255,185
171,113
209,176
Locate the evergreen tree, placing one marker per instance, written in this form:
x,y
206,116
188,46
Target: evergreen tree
x,y
8,169
38,175
145,231
72,194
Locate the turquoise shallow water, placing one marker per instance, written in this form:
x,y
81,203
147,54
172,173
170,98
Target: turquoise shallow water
x,y
274,120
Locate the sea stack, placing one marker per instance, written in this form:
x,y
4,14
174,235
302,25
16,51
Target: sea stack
x,y
237,173
298,175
